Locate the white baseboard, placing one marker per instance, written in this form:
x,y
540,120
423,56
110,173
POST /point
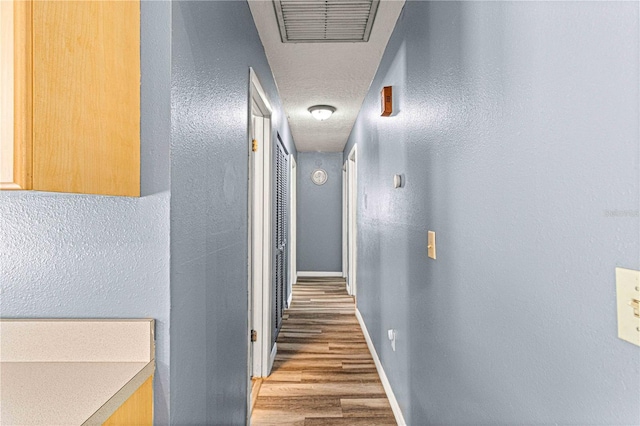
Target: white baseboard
x,y
318,274
272,357
383,376
289,299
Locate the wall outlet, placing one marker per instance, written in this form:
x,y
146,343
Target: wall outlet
x,y
392,337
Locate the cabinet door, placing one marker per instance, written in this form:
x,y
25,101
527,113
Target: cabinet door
x,y
86,97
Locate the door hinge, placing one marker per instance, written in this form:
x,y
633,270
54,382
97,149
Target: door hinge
x,y
254,335
254,145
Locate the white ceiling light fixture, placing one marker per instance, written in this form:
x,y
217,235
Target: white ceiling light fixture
x,y
321,112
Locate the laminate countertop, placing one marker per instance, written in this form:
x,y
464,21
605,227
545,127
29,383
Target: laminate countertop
x,y
71,372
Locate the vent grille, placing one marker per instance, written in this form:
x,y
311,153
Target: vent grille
x,y
322,21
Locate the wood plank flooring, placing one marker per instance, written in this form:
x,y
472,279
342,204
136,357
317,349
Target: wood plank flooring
x,y
323,373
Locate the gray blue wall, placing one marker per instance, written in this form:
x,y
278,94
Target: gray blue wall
x,y
319,217
68,255
72,256
214,44
517,132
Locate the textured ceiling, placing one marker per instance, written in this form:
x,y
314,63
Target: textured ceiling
x,y
337,74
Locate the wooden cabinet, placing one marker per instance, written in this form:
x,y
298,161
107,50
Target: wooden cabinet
x,y
137,409
76,83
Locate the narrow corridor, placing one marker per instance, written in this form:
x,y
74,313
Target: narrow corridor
x,y
323,373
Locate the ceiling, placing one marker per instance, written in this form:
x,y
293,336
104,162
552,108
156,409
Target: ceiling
x,y
332,73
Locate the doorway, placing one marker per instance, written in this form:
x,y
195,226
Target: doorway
x,y
281,248
260,238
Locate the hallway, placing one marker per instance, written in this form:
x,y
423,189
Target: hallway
x,y
323,372
505,136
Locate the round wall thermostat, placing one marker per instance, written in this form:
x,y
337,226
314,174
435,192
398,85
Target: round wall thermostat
x,y
319,177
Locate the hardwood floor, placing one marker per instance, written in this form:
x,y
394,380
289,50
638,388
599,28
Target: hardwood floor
x,y
323,373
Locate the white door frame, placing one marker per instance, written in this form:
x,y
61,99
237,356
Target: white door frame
x,y
260,230
352,204
345,219
293,236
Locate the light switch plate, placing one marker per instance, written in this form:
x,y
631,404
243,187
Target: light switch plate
x,y
431,244
628,301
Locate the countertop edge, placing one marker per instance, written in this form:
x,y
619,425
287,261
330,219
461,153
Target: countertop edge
x,y
103,413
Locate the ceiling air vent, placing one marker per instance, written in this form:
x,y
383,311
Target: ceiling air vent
x,y
322,21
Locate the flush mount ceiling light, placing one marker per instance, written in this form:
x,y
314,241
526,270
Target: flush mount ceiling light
x,y
321,112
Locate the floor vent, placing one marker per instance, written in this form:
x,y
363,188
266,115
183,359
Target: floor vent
x,y
325,21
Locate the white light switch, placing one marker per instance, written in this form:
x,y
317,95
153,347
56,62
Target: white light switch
x,y
628,294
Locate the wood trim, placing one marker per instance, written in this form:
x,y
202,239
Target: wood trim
x,y
22,97
7,47
137,410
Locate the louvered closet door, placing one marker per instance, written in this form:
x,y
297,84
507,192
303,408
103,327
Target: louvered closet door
x,y
280,289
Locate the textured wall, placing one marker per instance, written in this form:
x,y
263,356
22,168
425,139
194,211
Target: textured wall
x,y
71,256
214,44
517,132
319,213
